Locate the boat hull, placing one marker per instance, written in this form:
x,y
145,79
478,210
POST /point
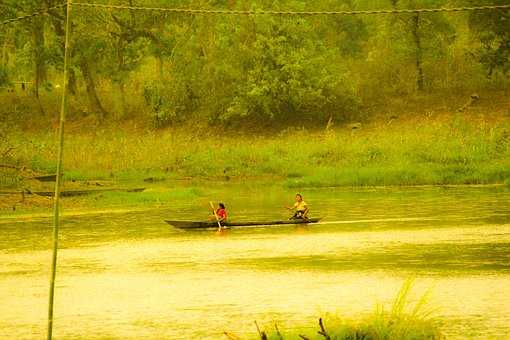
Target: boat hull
x,y
214,224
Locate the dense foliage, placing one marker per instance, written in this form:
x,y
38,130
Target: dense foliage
x,y
171,67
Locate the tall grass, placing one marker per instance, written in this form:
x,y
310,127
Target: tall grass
x,y
422,151
403,321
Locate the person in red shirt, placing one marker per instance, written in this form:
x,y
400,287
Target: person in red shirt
x,y
221,212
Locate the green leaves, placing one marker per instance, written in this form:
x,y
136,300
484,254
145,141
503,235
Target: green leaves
x,y
287,77
259,68
492,30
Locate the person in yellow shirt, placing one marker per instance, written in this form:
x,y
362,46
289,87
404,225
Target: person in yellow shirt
x,y
300,207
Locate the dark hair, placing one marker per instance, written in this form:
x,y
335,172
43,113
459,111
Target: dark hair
x,y
299,195
222,206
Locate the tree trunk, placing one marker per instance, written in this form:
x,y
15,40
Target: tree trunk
x,y
419,51
71,82
39,63
90,85
120,82
123,103
57,20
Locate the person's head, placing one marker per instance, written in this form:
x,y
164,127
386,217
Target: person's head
x,y
299,198
221,205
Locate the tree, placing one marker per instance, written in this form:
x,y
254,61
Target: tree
x,y
492,30
34,31
405,49
289,74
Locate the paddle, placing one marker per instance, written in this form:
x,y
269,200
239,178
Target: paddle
x,y
214,212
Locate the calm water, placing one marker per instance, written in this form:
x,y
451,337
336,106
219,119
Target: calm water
x,y
129,275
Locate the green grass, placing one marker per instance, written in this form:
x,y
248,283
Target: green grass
x,y
155,196
146,197
421,151
402,321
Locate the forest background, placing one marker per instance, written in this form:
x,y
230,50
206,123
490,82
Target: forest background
x,y
408,98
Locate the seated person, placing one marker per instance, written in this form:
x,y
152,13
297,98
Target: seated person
x,y
221,213
300,207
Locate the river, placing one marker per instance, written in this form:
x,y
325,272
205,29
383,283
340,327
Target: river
x,y
129,275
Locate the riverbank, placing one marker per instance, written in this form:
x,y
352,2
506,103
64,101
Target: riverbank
x,y
177,164
20,206
446,149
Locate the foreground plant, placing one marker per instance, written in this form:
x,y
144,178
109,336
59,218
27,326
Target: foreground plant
x,y
401,322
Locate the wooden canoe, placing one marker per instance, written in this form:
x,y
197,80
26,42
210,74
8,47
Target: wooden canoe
x,y
214,224
46,178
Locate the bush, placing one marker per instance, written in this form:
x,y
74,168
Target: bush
x,y
169,104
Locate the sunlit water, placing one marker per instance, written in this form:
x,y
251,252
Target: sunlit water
x,y
132,276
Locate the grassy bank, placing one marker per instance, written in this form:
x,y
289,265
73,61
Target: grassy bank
x,y
402,321
156,196
447,149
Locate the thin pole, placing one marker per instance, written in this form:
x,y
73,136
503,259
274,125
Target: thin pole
x,y
63,111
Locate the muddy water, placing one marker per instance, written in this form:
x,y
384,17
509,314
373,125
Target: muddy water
x,y
132,276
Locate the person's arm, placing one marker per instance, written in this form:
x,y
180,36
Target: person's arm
x,y
291,208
